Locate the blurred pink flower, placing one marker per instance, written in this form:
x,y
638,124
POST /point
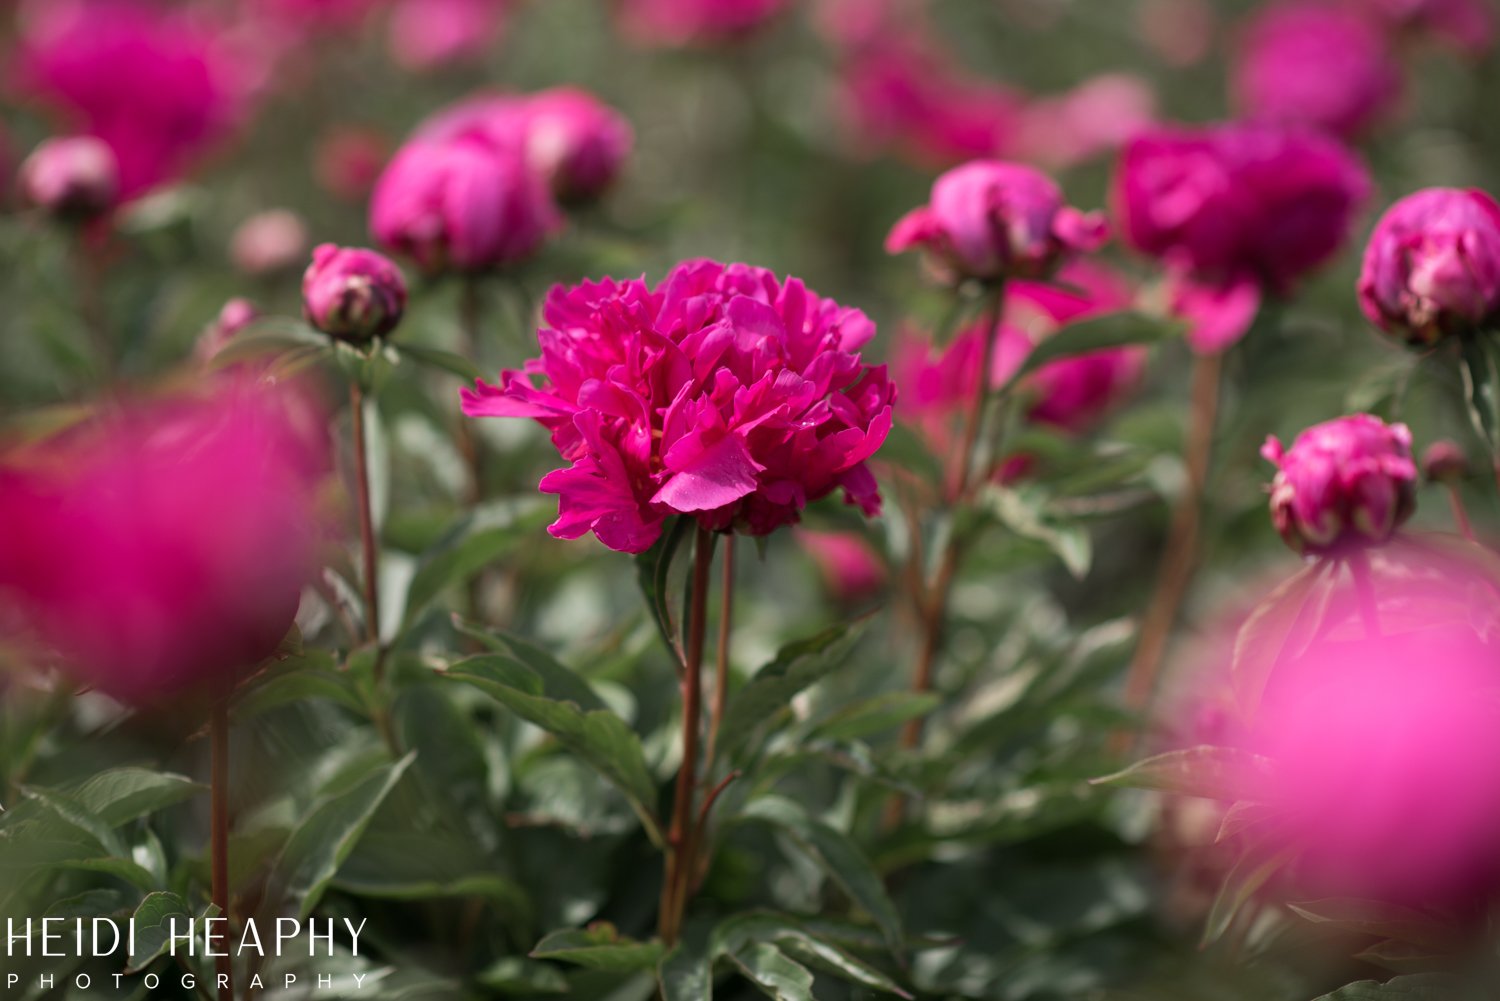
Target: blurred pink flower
x,y
349,160
268,242
430,34
1350,480
1071,394
463,205
320,15
1318,64
160,86
723,393
352,294
990,220
1097,116
1432,266
850,566
688,22
74,177
575,140
1468,25
1444,461
236,315
1235,211
164,545
1181,32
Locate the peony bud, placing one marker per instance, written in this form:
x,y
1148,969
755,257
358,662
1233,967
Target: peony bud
x,y
74,178
236,315
269,242
576,141
1444,462
1432,266
1349,480
352,294
348,161
992,220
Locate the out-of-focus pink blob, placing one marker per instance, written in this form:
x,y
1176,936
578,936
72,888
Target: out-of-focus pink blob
x,y
1180,32
695,22
269,242
850,566
236,315
329,15
72,177
162,87
1316,63
1095,117
163,546
898,89
429,34
349,161
1466,25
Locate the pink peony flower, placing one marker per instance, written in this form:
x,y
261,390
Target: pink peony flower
x,y
1071,394
689,22
71,178
1345,481
1235,211
576,141
268,242
236,315
351,294
723,394
1316,64
992,220
429,34
164,546
349,161
1432,266
161,88
849,564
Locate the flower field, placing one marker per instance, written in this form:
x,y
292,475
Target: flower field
x,y
962,500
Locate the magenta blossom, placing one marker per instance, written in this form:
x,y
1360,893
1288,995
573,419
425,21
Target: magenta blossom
x,y
1071,394
164,546
689,22
236,315
1432,266
723,394
992,220
158,86
75,177
1316,64
1345,481
352,294
850,566
1235,211
268,242
430,34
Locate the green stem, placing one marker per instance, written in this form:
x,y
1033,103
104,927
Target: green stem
x,y
219,833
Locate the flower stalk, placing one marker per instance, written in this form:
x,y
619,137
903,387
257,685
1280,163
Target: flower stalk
x,y
682,839
219,832
369,547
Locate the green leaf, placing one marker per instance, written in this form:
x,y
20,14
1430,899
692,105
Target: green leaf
x,y
270,336
1422,987
1281,627
479,538
653,571
311,676
326,837
906,449
838,856
121,795
558,680
1024,512
600,946
1244,816
517,975
774,973
1481,375
153,927
1112,330
1249,873
599,738
738,932
875,715
1205,771
439,360
797,666
1377,918
685,974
